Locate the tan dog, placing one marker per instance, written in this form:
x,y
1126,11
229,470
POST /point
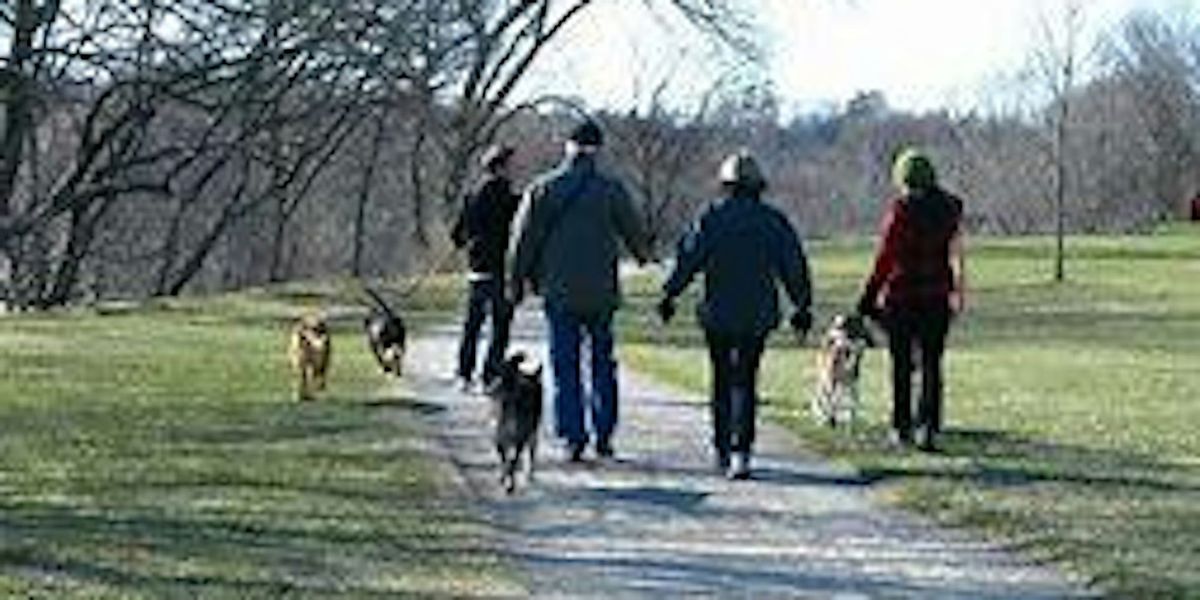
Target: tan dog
x,y
836,398
310,350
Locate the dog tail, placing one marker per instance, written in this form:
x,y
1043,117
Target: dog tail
x,y
379,302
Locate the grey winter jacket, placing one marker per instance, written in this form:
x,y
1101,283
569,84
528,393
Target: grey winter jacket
x,y
743,247
568,237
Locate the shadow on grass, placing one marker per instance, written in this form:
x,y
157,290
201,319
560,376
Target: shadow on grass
x,y
1001,459
407,404
238,501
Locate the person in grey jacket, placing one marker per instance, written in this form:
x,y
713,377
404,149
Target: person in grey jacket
x,y
570,229
744,248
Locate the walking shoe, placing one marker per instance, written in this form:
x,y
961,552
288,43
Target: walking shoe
x,y
925,439
575,452
739,467
899,439
604,449
722,462
465,385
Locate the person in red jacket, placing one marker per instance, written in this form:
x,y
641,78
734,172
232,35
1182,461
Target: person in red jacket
x,y
915,289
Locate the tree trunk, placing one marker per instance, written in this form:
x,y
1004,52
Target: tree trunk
x,y
275,273
364,195
417,181
84,219
14,82
1060,192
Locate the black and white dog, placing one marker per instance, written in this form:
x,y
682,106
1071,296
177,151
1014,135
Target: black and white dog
x,y
517,397
386,335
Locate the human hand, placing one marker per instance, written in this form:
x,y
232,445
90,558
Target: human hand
x,y
666,310
801,322
516,293
958,302
868,305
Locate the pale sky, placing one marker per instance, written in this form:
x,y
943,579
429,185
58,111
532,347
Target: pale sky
x,y
923,54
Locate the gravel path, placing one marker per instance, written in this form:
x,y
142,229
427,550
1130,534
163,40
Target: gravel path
x,y
659,522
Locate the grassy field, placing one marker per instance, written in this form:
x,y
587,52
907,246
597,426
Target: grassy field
x,y
158,453
1072,409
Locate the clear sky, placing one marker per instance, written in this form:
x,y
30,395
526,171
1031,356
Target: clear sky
x,y
923,54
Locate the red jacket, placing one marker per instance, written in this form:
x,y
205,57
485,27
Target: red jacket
x,y
912,267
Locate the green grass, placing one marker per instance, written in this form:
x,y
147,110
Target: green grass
x,y
158,453
1072,409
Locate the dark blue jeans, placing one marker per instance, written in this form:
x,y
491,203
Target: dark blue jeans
x,y
566,337
735,362
486,299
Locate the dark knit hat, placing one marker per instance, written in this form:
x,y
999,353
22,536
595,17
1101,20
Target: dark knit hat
x,y
587,133
495,156
913,170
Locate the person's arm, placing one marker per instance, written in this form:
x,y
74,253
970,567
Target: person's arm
x,y
793,271
690,255
885,259
630,226
958,269
458,234
528,236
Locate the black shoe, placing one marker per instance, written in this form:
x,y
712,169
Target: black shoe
x,y
722,462
575,452
899,438
926,439
604,449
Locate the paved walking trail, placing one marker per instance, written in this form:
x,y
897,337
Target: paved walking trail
x,y
659,522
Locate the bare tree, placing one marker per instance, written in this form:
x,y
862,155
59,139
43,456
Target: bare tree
x,y
1056,62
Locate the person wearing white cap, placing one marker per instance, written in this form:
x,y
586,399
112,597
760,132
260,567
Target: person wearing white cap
x,y
746,249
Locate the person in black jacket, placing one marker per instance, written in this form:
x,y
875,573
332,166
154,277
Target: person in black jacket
x,y
483,228
746,250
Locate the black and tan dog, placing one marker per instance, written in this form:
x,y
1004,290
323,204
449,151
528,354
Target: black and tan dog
x,y
386,335
310,349
839,358
517,395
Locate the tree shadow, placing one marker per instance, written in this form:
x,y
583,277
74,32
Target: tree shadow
x,y
1002,459
406,404
239,500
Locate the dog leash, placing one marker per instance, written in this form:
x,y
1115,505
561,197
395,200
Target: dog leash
x,y
416,284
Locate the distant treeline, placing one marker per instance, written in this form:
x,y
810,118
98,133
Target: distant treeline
x,y
157,148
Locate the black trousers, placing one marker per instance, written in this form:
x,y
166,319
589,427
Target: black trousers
x,y
917,334
735,361
485,300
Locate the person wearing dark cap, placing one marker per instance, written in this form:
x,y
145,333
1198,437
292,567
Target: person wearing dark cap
x,y
745,249
483,228
916,286
571,228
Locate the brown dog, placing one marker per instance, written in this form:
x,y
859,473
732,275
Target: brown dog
x,y
836,398
310,349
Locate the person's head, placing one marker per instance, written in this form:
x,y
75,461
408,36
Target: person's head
x,y
913,171
586,138
741,176
496,158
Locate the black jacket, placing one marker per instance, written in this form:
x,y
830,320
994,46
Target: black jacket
x,y
484,224
745,248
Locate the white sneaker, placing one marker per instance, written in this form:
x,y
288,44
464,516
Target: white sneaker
x,y
739,466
